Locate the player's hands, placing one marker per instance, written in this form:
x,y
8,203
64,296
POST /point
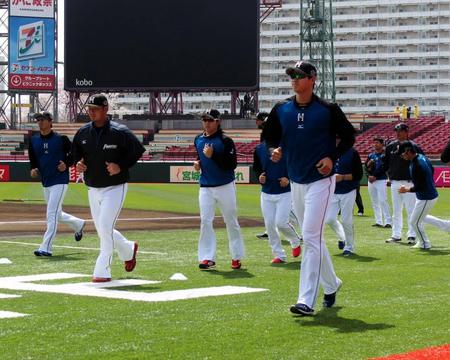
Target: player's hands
x,y
34,172
62,166
197,165
262,178
403,189
325,166
112,168
208,150
284,181
81,166
388,183
371,178
276,155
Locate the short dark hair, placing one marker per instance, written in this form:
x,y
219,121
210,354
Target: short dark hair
x,y
379,139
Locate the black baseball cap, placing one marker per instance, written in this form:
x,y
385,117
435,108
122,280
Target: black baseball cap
x,y
43,116
406,146
98,100
302,68
212,114
262,116
401,126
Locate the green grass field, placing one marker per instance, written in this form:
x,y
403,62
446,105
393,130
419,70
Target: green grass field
x,y
393,300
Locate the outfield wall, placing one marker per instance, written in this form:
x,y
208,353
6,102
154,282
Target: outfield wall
x,y
177,172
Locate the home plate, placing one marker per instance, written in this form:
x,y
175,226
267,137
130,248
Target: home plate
x,y
5,261
10,315
178,276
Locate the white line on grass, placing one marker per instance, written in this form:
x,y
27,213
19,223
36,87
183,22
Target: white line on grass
x,y
76,247
120,219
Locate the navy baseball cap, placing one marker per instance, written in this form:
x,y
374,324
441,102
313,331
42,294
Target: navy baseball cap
x,y
406,146
302,68
212,114
401,126
97,101
262,116
43,116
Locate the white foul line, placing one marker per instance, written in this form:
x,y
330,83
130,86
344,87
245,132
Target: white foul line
x,y
120,219
77,247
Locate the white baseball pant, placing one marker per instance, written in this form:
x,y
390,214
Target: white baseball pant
x,y
311,202
378,196
225,197
398,201
276,209
106,204
54,197
344,230
420,216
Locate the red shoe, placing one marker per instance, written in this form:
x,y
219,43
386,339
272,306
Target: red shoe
x,y
297,251
277,261
235,264
100,279
206,265
131,264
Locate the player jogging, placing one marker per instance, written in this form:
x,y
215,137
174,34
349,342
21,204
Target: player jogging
x,y
216,158
303,129
421,172
104,151
50,156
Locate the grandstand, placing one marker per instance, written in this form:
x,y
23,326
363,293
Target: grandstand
x,y
168,145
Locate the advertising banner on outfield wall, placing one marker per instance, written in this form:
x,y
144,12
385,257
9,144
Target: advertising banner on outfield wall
x,y
4,173
32,8
442,176
187,174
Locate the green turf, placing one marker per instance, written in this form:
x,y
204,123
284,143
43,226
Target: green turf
x,y
393,300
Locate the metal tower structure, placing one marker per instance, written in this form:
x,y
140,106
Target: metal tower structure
x,y
316,43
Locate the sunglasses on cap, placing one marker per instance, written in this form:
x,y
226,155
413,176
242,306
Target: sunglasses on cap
x,y
298,76
208,120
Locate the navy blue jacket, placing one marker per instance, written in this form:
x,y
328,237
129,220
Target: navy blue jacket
x,y
273,171
111,143
445,156
45,153
421,172
348,163
219,169
307,134
378,165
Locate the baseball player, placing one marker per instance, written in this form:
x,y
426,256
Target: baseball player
x,y
421,172
260,120
104,151
303,129
377,180
217,160
348,169
50,156
398,173
276,202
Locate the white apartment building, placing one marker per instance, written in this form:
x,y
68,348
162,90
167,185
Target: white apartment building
x,y
387,53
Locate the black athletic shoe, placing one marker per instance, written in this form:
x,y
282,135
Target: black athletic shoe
x,y
388,226
42,253
330,299
377,225
411,240
79,234
262,236
301,309
393,240
341,245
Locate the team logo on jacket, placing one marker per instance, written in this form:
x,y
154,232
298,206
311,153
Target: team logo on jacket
x,y
107,147
300,120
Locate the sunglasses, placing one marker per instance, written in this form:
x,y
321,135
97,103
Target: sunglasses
x,y
208,120
298,76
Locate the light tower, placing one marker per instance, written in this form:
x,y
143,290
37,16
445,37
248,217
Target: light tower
x,y
316,43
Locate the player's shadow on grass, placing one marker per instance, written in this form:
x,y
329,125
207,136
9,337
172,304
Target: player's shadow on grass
x,y
294,265
232,274
359,258
434,252
142,288
330,318
66,257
